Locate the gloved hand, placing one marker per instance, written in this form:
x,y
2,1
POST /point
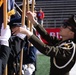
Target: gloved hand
x,y
30,70
5,35
24,67
20,35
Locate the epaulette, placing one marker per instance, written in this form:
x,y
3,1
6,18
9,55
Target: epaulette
x,y
66,45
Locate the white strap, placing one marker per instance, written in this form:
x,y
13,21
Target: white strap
x,y
60,67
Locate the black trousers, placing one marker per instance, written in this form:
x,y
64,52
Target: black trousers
x,y
0,67
4,55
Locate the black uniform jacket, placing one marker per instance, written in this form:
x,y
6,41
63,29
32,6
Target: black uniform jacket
x,y
16,45
62,53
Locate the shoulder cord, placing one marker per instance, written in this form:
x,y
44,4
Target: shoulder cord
x,y
60,67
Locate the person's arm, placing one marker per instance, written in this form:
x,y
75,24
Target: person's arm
x,y
43,48
4,46
32,38
41,30
44,34
56,51
5,35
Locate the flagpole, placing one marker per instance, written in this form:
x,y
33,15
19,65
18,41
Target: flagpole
x,y
23,23
32,9
5,13
5,24
29,23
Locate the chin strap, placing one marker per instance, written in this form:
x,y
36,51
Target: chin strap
x,y
61,67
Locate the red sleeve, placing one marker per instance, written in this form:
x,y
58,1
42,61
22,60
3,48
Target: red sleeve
x,y
43,15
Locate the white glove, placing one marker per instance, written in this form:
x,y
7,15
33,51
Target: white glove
x,y
20,35
24,67
5,35
30,70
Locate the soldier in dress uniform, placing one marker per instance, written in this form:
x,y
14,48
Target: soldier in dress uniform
x,y
5,35
62,52
16,44
29,53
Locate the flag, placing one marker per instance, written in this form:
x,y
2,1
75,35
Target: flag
x,y
10,9
1,2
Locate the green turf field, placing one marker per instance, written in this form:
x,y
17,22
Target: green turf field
x,y
43,63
